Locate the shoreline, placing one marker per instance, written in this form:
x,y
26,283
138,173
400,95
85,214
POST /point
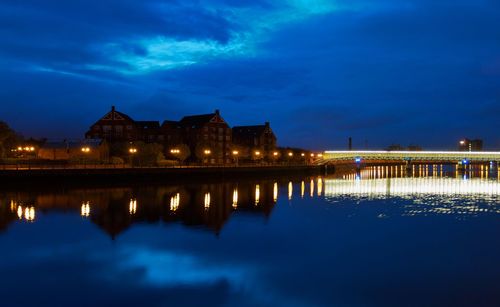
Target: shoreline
x,y
144,174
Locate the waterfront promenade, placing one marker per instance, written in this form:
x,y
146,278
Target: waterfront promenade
x,y
124,173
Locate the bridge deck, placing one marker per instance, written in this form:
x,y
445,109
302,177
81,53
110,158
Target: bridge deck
x,y
417,156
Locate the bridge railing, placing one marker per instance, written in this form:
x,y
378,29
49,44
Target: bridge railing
x,y
412,155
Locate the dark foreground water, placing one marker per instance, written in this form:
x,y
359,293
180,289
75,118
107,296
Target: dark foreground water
x,y
429,241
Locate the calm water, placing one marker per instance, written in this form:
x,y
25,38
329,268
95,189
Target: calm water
x,y
343,240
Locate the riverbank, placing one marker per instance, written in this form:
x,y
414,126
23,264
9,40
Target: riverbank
x,y
146,174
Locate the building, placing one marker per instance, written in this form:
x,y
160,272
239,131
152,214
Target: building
x,y
93,150
208,136
114,126
470,145
119,127
259,136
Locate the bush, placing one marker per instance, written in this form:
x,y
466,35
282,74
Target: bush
x,y
116,160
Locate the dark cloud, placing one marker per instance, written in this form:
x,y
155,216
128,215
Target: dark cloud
x,y
383,70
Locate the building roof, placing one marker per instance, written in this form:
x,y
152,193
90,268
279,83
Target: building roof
x,y
115,115
196,121
249,131
170,124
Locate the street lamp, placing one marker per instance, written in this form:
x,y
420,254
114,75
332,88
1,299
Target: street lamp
x,y
132,151
235,155
207,152
85,151
175,151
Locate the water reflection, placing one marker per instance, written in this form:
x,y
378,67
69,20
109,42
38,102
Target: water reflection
x,y
210,205
349,238
85,210
426,189
116,209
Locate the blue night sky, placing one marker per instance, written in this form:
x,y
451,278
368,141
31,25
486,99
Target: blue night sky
x,y
386,71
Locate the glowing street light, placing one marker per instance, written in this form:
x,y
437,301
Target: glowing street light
x,y
207,151
275,153
235,153
85,149
257,153
132,150
290,154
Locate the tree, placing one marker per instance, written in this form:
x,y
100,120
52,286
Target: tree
x,y
180,152
148,154
203,152
257,154
8,139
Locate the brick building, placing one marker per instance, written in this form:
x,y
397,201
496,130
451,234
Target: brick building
x,y
208,136
259,136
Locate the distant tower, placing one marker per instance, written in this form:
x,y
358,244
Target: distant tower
x,y
350,143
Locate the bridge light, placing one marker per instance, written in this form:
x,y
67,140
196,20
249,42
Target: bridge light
x,y
357,159
465,161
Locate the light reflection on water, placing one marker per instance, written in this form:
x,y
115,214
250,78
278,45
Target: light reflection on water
x,y
437,194
345,239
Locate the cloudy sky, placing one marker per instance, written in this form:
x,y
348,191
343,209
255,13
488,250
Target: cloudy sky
x,y
388,71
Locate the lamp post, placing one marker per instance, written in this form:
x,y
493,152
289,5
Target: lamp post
x,y
275,156
132,151
85,150
235,155
207,153
257,156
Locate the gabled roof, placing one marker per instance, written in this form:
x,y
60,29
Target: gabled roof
x,y
114,115
197,121
250,131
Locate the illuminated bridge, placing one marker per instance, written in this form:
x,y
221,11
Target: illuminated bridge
x,y
463,157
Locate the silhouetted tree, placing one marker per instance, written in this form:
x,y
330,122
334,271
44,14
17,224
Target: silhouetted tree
x,y
8,139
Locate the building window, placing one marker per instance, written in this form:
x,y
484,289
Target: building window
x,y
119,130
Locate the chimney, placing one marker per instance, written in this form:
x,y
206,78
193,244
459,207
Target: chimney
x,y
350,143
112,108
217,112
267,124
